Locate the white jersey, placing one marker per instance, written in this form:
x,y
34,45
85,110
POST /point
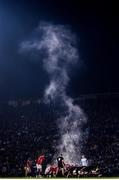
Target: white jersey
x,y
84,162
47,170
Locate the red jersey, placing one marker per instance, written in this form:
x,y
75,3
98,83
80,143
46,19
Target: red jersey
x,y
40,159
53,169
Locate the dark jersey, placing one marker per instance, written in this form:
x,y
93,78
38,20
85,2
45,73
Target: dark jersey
x,y
60,162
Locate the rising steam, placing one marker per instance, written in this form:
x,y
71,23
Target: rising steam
x,y
56,46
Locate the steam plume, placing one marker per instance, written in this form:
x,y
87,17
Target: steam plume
x,y
57,47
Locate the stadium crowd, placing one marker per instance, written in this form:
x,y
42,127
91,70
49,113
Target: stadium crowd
x,y
28,129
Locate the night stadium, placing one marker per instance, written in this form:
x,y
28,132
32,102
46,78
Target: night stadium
x,y
26,131
59,91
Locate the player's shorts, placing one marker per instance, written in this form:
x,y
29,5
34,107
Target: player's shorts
x,y
60,167
39,167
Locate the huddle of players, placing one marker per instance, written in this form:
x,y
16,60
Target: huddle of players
x,y
51,170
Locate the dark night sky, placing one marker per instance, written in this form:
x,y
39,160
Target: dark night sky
x,y
95,24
